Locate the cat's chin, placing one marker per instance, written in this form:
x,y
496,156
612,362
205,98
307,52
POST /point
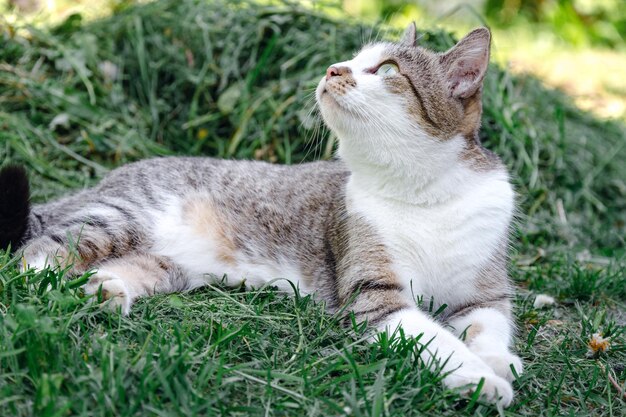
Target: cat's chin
x,y
336,116
328,106
327,102
333,111
325,99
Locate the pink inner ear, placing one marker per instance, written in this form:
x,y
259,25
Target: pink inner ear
x,y
466,64
466,75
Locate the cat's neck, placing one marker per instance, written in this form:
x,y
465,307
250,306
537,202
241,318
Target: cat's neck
x,y
427,174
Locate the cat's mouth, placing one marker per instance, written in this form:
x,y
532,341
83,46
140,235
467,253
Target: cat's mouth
x,y
330,103
328,97
325,95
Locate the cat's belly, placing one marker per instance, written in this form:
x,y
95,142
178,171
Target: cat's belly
x,y
197,240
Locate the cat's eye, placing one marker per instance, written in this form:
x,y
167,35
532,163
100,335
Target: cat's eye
x,y
387,69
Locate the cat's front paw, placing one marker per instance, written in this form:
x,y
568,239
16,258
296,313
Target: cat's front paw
x,y
501,363
114,292
495,389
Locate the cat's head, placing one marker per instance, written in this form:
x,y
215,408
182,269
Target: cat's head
x,y
402,89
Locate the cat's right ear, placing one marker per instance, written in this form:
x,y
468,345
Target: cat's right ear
x,y
410,36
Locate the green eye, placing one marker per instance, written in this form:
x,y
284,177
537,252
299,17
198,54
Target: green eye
x,y
387,69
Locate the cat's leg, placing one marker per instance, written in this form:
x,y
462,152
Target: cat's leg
x,y
384,305
367,281
123,280
80,240
462,367
488,333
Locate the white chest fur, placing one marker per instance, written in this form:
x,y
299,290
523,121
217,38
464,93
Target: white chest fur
x,y
438,249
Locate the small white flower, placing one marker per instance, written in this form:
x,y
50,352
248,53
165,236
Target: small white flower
x,y
108,70
61,119
543,300
597,344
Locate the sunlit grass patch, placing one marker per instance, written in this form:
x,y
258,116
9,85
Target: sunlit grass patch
x,y
592,76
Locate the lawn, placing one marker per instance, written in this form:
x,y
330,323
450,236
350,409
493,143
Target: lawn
x,y
235,80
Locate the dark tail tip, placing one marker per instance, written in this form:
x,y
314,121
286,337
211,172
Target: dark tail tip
x,y
14,205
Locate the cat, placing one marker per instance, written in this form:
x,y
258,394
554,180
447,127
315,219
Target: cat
x,y
413,206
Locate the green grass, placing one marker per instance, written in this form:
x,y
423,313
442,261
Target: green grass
x,y
204,78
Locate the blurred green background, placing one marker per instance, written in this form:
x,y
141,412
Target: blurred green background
x,y
575,45
578,46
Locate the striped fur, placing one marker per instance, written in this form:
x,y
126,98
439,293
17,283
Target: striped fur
x,y
414,207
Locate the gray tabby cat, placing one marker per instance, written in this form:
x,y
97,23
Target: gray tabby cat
x,y
414,206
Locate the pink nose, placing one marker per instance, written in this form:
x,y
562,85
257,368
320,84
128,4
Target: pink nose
x,y
333,71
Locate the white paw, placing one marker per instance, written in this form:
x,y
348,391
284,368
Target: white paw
x,y
114,291
495,390
37,262
501,363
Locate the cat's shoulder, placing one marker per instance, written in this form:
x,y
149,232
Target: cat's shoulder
x,y
177,164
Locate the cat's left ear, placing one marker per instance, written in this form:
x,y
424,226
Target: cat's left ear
x,y
465,64
410,36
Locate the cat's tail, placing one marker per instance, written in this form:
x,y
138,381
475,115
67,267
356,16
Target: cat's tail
x,y
14,205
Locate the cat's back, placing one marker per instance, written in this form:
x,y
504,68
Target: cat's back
x,y
182,175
